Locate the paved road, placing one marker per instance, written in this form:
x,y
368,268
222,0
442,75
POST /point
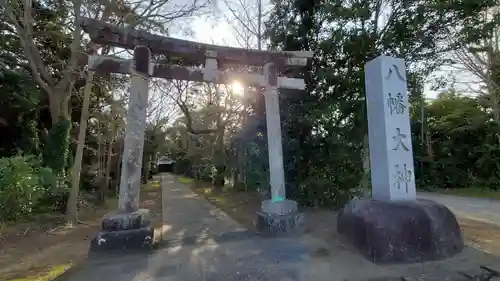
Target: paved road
x,y
487,210
201,243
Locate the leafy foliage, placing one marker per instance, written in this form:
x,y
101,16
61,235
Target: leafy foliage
x,y
56,147
221,137
460,148
20,188
19,99
324,129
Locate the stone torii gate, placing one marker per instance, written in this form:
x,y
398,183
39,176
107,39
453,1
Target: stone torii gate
x,y
131,226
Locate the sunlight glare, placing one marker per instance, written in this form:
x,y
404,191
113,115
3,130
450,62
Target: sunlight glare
x,y
237,88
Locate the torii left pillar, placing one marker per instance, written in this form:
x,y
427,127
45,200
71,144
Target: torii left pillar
x,y
278,214
130,227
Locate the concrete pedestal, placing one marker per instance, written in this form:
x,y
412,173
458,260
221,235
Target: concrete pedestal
x,y
124,231
280,217
400,231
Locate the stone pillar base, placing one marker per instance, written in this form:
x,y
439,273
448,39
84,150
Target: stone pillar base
x,y
124,231
279,218
400,231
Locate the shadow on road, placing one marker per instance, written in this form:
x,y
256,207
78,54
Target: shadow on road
x,y
199,242
202,243
228,256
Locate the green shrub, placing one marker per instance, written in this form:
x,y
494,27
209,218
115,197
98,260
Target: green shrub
x,y
19,187
184,180
321,189
204,172
47,178
53,198
27,189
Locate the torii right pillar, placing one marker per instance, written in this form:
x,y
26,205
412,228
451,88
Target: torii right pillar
x,y
278,215
395,226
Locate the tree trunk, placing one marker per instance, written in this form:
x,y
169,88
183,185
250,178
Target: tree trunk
x,y
145,169
59,105
236,172
118,172
220,176
100,159
430,156
220,158
364,183
72,204
109,157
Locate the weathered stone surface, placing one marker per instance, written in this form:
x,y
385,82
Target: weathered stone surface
x,y
400,231
274,138
389,131
133,144
117,221
122,231
273,224
132,239
190,52
108,64
282,207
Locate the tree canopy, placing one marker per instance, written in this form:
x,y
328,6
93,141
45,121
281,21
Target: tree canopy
x,y
217,133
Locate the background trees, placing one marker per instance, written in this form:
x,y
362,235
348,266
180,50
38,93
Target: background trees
x,y
217,133
43,69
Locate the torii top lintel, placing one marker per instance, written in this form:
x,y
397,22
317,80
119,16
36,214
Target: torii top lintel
x,y
192,52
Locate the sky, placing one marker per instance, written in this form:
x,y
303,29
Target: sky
x,y
219,33
208,30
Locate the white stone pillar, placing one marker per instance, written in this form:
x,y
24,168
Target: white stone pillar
x,y
274,140
130,180
391,153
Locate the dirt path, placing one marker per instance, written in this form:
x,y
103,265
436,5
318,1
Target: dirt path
x,y
481,235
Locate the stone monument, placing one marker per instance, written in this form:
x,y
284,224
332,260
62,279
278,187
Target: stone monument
x,y
395,226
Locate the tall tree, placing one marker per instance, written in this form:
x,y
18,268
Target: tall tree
x,y
61,76
345,35
480,60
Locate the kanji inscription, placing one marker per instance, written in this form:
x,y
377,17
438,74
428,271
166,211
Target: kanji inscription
x,y
402,177
396,104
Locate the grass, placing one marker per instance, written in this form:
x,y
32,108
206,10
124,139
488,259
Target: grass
x,y
33,253
184,180
240,206
151,185
50,275
473,192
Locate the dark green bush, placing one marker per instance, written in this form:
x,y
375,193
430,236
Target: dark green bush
x,y
20,188
27,189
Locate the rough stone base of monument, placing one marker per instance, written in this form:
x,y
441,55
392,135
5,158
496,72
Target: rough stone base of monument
x,y
278,218
272,224
400,231
124,231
